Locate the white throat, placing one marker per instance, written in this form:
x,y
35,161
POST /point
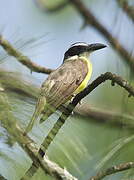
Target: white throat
x,y
85,55
72,58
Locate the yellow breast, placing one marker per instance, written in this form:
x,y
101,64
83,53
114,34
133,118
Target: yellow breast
x,y
87,78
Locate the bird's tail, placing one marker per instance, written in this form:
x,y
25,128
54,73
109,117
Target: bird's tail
x,y
38,110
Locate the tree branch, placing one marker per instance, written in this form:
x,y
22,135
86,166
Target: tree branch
x,y
62,119
22,58
129,10
113,170
90,19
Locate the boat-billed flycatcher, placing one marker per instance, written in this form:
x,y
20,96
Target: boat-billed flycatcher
x,y
66,81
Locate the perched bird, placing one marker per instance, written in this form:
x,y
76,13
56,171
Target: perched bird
x,y
66,81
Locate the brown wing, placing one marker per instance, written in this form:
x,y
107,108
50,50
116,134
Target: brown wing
x,y
62,83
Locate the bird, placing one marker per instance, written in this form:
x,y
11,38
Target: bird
x,y
66,81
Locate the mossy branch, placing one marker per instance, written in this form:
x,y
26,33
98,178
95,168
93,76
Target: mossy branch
x,y
112,170
28,145
25,60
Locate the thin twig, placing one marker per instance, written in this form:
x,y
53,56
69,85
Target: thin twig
x,y
90,19
22,58
113,170
129,10
28,145
60,122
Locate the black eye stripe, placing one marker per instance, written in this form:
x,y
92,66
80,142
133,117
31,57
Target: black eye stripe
x,y
75,50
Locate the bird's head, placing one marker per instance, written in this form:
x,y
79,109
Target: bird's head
x,y
82,49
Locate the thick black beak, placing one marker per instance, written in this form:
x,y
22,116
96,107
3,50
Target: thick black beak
x,y
96,46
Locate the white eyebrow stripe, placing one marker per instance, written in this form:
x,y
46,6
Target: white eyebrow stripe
x,y
79,44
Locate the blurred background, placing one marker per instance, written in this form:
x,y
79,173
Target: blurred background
x,y
88,141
